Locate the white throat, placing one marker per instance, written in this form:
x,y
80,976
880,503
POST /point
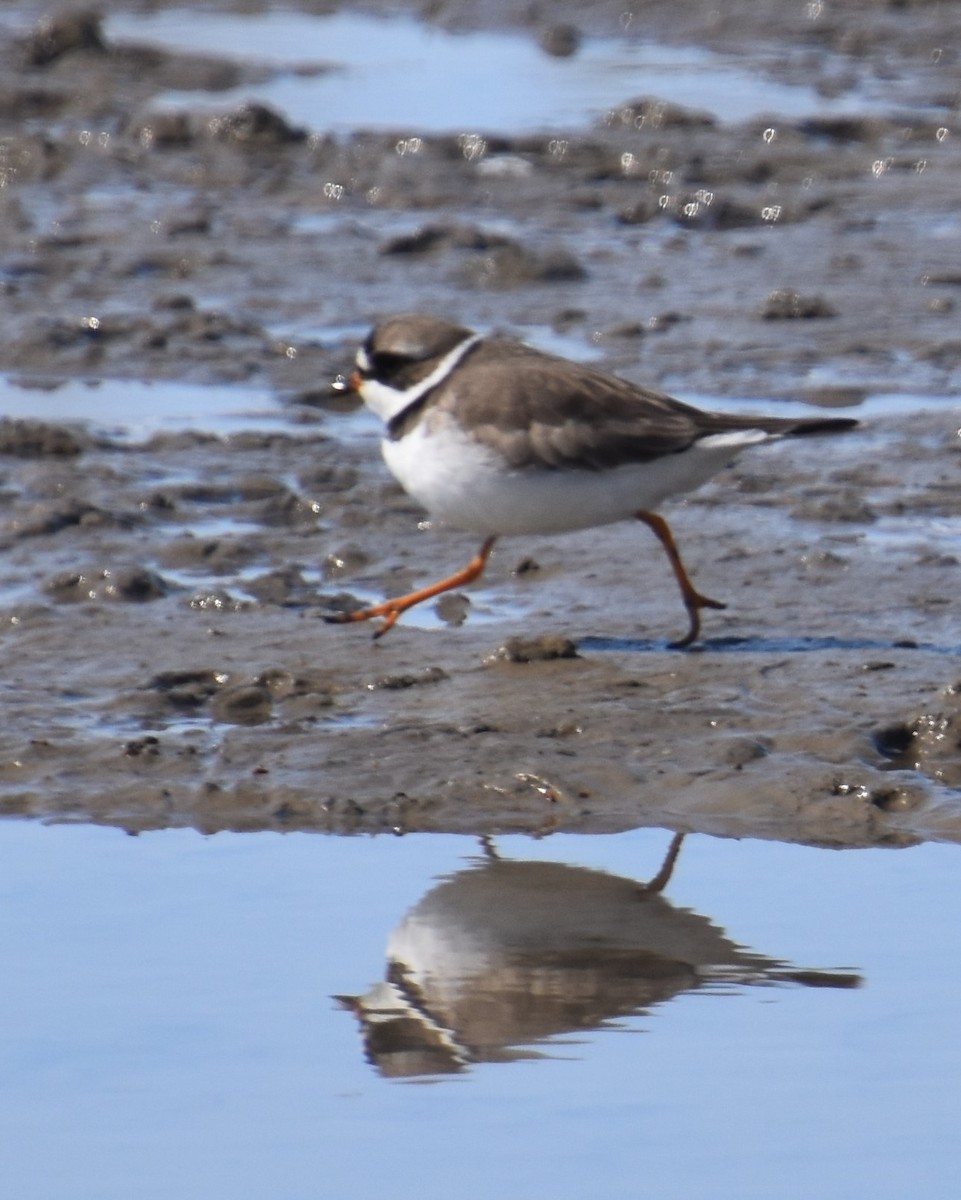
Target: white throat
x,y
388,402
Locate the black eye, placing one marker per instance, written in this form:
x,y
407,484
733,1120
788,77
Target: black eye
x,y
384,365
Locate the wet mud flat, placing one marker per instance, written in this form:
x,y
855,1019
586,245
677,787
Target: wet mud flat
x,y
156,674
165,660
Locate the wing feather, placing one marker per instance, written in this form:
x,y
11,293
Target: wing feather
x,y
540,410
537,410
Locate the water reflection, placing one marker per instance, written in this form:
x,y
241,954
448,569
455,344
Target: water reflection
x,y
506,955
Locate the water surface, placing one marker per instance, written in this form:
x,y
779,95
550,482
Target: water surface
x,y
169,1026
399,73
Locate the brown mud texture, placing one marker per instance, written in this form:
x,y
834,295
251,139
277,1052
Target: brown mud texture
x,y
165,661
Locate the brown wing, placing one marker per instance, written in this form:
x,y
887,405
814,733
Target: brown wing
x,y
539,410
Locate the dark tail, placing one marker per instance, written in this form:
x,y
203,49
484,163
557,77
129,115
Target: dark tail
x,y
812,425
785,426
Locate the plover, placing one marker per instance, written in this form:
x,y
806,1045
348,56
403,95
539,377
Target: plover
x,y
496,438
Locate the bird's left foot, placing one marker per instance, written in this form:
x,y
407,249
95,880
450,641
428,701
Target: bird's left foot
x,y
694,602
390,612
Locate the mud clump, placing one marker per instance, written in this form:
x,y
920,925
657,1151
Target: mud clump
x,y
928,742
651,112
256,125
788,305
250,704
560,41
136,585
187,689
546,648
409,679
39,439
516,266
63,33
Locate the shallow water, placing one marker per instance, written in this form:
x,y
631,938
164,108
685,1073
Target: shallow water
x,y
411,75
132,409
168,1017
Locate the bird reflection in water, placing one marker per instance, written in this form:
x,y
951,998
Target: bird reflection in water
x,y
505,955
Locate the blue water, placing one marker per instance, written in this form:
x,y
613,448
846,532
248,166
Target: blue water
x,y
133,409
168,1028
398,73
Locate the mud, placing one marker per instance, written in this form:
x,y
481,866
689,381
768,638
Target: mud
x,y
165,660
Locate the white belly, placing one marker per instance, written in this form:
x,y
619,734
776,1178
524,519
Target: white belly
x,y
467,487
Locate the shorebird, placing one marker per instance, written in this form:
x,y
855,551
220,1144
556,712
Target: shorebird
x,y
496,438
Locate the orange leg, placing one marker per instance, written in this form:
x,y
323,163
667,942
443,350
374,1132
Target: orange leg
x,y
663,877
390,610
693,600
